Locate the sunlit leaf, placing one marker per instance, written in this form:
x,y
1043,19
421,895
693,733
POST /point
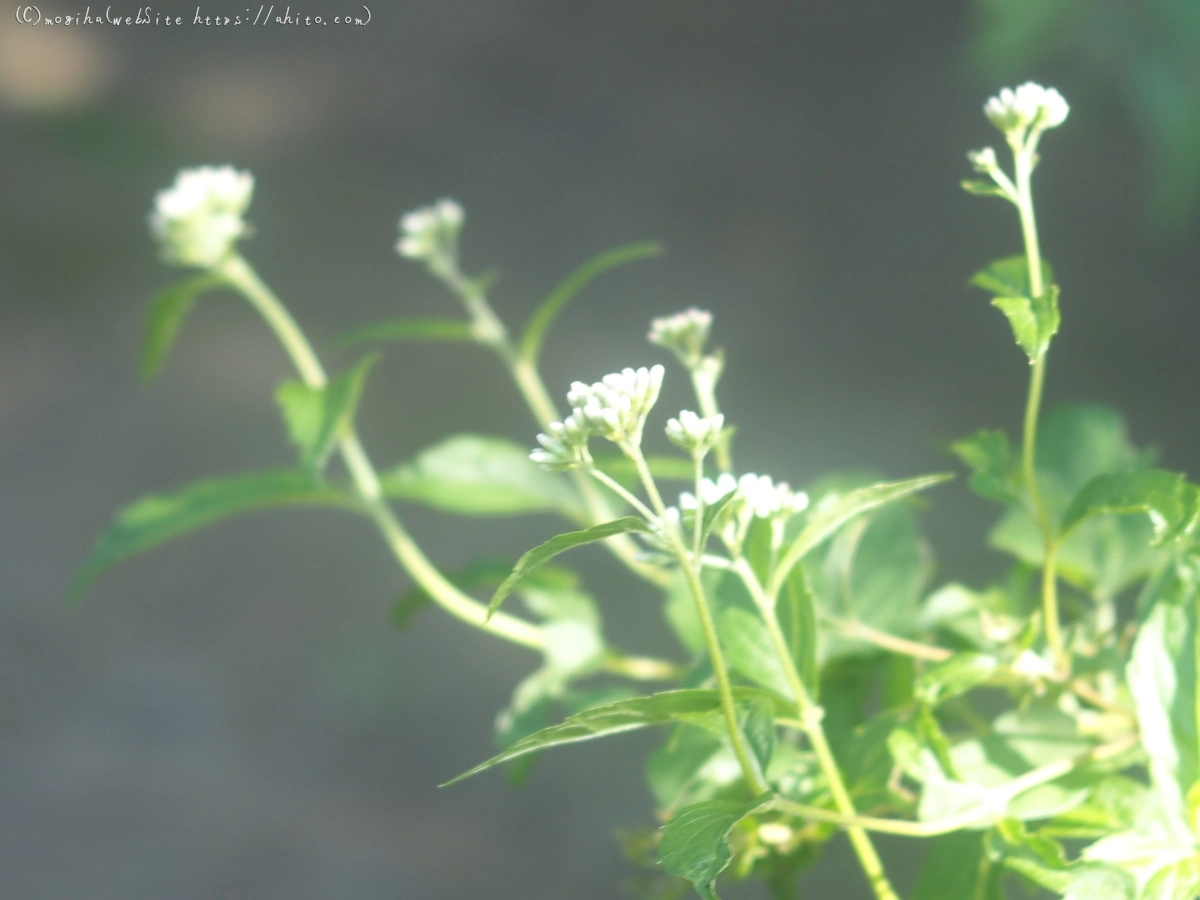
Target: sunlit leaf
x,y
480,476
158,518
954,677
1009,277
317,418
1034,320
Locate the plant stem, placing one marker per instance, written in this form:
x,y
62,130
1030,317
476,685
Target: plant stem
x,y
1023,160
366,481
852,628
810,715
691,569
705,385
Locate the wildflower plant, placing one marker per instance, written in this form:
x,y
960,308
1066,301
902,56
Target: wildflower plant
x,y
1041,730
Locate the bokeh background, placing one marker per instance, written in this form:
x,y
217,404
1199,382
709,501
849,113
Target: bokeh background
x,y
234,715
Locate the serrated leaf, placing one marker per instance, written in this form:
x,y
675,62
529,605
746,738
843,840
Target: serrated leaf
x,y
694,841
317,418
1162,678
1034,320
480,476
1009,277
954,677
543,553
167,314
989,456
158,518
408,330
615,718
1164,496
831,515
564,293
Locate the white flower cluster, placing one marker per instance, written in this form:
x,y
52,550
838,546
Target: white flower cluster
x,y
198,219
1029,106
684,334
431,232
614,408
755,496
695,434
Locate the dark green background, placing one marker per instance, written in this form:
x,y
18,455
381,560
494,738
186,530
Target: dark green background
x,y
234,715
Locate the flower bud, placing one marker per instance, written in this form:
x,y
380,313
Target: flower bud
x,y
198,220
684,334
694,434
431,232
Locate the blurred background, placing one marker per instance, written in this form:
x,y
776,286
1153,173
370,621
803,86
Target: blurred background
x,y
234,715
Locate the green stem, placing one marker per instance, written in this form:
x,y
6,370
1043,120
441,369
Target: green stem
x,y
705,386
366,481
810,715
750,769
1023,158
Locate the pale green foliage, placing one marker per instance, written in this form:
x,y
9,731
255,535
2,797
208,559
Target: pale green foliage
x,y
824,681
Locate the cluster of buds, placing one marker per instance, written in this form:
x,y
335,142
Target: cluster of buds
x,y
1029,108
614,408
430,234
694,434
684,334
198,220
754,496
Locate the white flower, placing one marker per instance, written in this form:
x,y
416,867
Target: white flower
x,y
199,218
761,497
616,407
710,491
694,434
1030,105
431,232
684,334
564,448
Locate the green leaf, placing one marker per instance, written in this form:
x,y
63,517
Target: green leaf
x,y
798,618
1164,496
1162,678
955,868
1009,277
984,188
543,553
480,476
158,518
317,418
166,317
690,767
749,651
835,511
1178,881
408,330
990,459
953,677
564,293
1034,320
694,841
1112,806
615,718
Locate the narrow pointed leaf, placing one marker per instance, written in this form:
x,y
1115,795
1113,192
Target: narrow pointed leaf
x,y
408,330
615,718
564,293
158,518
694,844
984,188
166,317
474,475
824,521
543,553
317,417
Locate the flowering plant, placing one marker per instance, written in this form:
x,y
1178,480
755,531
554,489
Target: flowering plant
x,y
1039,730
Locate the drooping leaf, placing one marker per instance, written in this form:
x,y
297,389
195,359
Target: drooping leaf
x,y
1034,320
835,511
1162,495
694,841
615,718
317,418
158,518
990,459
408,330
543,553
1162,678
564,293
480,476
954,677
1009,277
166,317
